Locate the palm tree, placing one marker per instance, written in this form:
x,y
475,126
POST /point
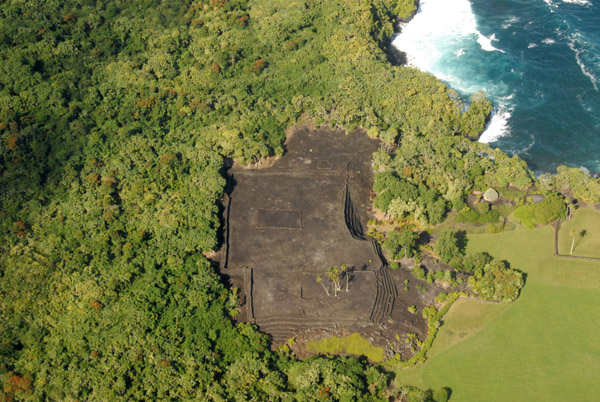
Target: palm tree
x,y
570,208
344,269
573,233
334,275
320,280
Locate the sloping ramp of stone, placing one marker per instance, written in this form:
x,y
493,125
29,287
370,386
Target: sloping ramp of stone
x,y
386,296
282,328
351,217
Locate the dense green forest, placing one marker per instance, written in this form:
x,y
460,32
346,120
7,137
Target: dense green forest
x,y
116,118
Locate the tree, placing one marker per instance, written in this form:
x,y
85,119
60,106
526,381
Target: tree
x,y
473,121
345,270
552,208
392,243
496,281
408,242
446,246
320,280
573,234
333,273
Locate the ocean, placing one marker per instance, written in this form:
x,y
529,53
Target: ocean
x,y
538,61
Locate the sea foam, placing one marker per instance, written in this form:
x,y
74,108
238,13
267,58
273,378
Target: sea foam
x,y
438,38
498,126
578,2
586,55
584,68
438,26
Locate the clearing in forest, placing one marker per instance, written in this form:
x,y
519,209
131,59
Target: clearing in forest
x,y
287,224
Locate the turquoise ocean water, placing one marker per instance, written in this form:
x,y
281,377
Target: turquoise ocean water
x,y
537,60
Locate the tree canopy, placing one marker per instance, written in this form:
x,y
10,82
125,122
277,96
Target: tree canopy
x,y
116,118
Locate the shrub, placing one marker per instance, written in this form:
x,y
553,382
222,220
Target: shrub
x,y
483,208
525,214
441,394
419,272
553,207
458,203
468,216
497,282
442,297
474,261
498,228
449,276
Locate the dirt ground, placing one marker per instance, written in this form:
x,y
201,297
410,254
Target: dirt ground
x,y
285,224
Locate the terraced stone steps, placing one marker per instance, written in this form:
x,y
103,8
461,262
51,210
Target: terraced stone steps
x,y
386,296
282,328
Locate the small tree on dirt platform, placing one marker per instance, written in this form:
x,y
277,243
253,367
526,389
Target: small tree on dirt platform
x,y
320,280
346,271
334,275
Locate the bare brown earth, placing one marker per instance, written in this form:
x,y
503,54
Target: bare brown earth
x,y
287,223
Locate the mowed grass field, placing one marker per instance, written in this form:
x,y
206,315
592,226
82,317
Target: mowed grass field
x,y
543,347
586,223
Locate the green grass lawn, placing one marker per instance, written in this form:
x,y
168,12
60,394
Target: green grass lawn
x,y
353,345
543,347
588,245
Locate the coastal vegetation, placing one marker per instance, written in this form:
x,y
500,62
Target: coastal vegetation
x,y
116,122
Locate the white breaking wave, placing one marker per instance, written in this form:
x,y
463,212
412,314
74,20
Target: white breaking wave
x,y
435,41
551,5
531,46
548,41
486,42
498,126
438,27
579,2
